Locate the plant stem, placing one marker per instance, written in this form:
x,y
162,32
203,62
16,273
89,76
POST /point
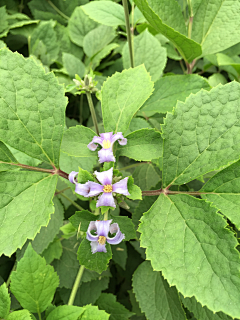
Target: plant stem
x,y
166,191
70,200
92,110
190,27
57,10
61,191
29,45
105,216
39,315
81,109
133,166
75,286
129,37
9,278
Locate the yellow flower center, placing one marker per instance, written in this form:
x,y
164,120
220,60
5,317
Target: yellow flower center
x,y
102,240
106,144
107,188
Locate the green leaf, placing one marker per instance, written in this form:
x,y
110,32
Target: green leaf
x,y
23,158
53,251
213,31
47,234
142,207
34,283
185,225
168,90
105,12
217,78
82,217
102,54
142,145
20,315
146,176
224,60
126,227
122,95
73,65
166,18
87,293
6,157
3,19
147,51
5,301
202,313
37,116
79,25
74,144
66,313
156,299
107,302
93,313
30,195
94,261
224,192
135,191
97,39
120,254
200,133
84,176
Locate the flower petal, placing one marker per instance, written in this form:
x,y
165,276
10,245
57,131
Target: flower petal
x,y
94,188
92,146
106,155
114,228
82,189
103,227
96,247
104,177
107,136
121,140
72,176
92,226
107,200
121,187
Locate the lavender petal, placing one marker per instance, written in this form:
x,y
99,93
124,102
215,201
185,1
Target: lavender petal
x,y
121,187
72,176
121,140
94,188
103,227
107,200
96,247
92,145
104,177
106,155
106,136
89,236
114,228
82,189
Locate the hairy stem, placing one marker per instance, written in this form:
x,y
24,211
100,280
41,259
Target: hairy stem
x,y
75,286
92,110
70,200
105,216
190,27
57,10
129,37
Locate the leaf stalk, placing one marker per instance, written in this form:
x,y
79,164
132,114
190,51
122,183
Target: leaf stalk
x,y
75,286
129,37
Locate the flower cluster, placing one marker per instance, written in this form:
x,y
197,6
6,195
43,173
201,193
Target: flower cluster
x,y
105,189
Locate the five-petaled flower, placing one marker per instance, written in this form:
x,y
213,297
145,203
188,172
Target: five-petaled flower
x,y
106,188
106,140
102,228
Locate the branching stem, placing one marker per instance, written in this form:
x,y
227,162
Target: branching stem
x,y
129,37
75,286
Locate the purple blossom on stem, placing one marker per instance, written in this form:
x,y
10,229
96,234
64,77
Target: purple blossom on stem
x,y
106,140
106,188
102,228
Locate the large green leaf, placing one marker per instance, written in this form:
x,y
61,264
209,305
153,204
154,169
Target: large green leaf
x,y
97,39
3,19
146,176
195,245
20,315
5,301
66,313
156,299
32,106
105,12
142,145
147,51
6,157
122,95
79,25
25,206
224,192
212,29
168,90
34,283
166,18
200,133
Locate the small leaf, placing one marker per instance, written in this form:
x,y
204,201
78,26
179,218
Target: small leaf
x,y
102,54
66,313
53,251
120,254
83,219
156,299
105,12
20,315
122,95
126,227
93,313
135,191
5,301
73,65
6,157
84,176
94,261
34,283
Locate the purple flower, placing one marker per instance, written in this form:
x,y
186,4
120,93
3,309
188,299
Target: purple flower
x,y
106,140
102,228
92,189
